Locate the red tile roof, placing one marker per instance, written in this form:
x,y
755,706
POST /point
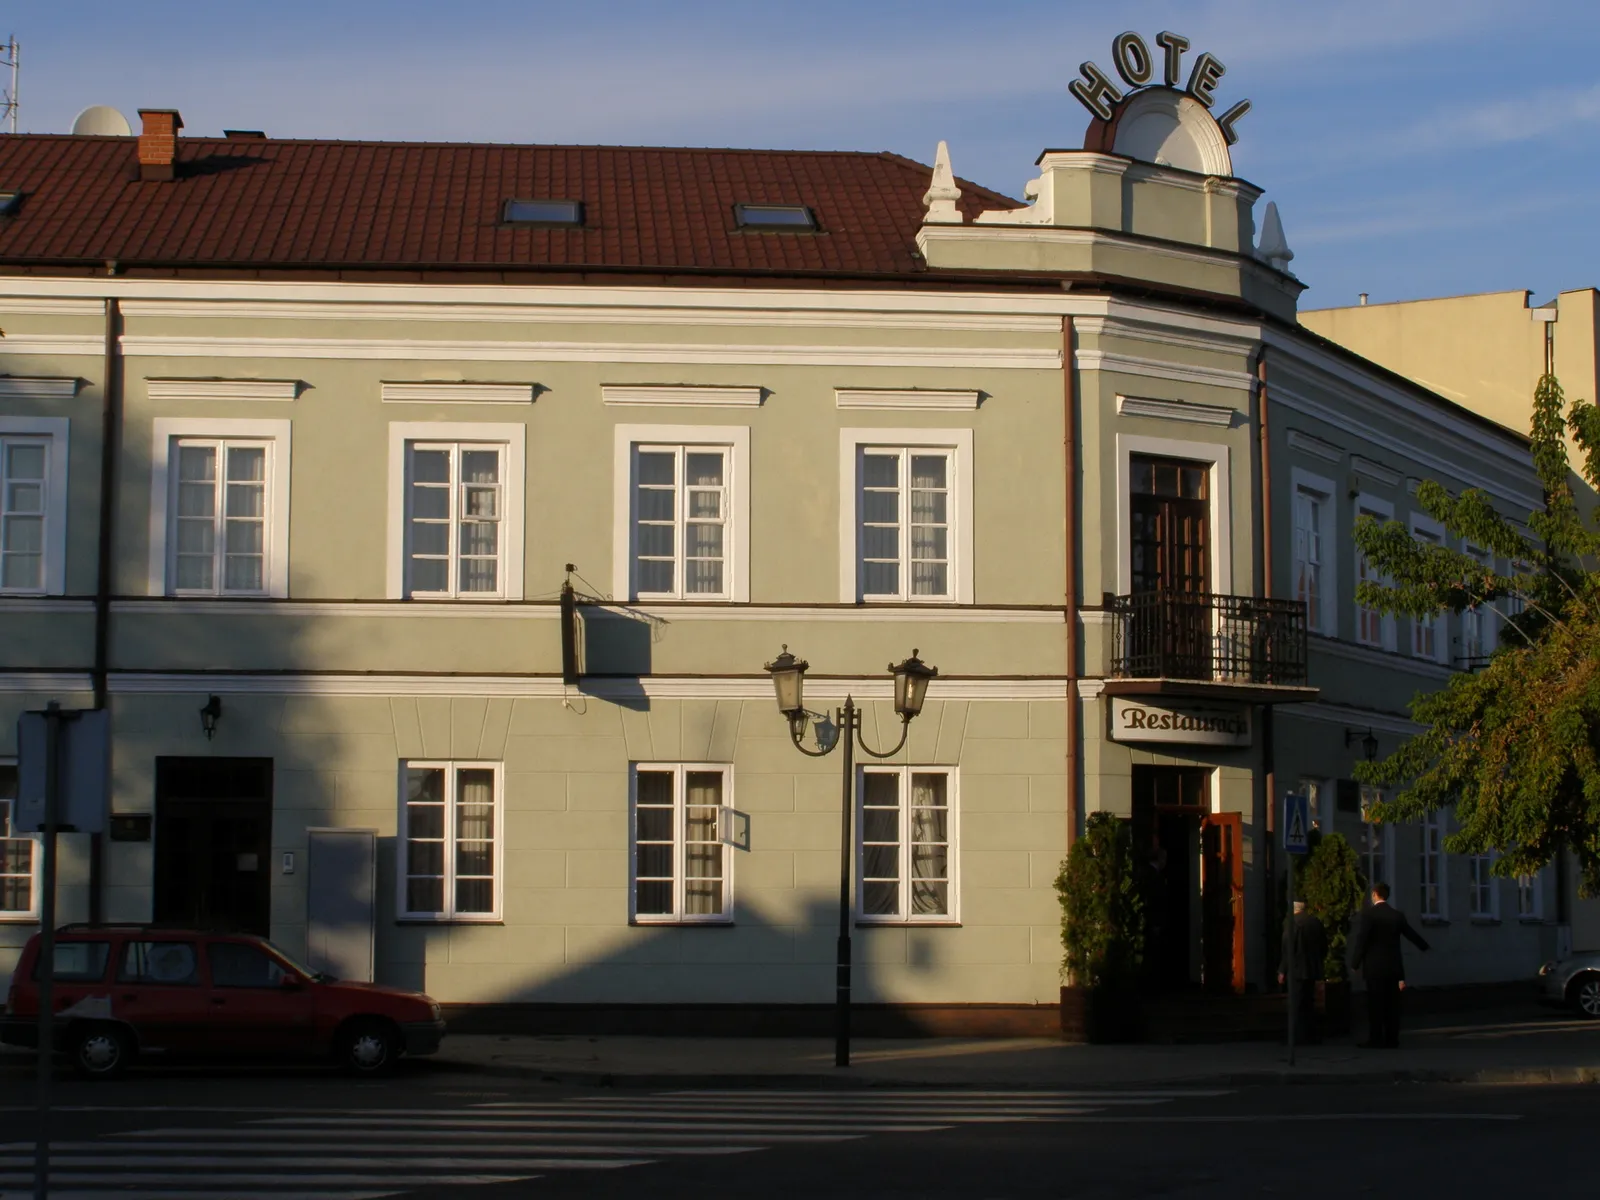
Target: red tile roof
x,y
314,205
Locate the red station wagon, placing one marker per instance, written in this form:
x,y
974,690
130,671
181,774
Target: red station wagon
x,y
125,991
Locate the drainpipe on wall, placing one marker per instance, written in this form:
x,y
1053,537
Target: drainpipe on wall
x,y
1269,765
110,445
1069,417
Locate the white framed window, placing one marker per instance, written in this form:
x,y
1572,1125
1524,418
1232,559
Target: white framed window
x,y
455,510
19,858
1478,629
681,871
219,507
1373,628
681,506
905,510
452,848
1315,580
1483,889
1429,635
33,506
1432,901
1377,841
906,845
1530,897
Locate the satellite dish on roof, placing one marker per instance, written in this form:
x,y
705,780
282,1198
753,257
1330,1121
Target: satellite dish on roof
x,y
101,120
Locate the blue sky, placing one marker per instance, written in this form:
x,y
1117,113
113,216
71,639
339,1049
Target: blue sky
x,y
1414,147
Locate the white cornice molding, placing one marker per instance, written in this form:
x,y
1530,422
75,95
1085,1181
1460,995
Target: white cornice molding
x,y
46,683
38,387
1160,334
1341,418
1150,368
1359,718
1175,410
547,687
43,307
48,344
680,395
224,389
456,392
1314,446
1368,656
655,313
876,614
904,399
734,354
1374,471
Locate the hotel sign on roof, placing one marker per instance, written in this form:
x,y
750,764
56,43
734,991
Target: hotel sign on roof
x,y
1134,62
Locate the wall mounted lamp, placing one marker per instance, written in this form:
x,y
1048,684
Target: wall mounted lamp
x,y
209,714
1369,742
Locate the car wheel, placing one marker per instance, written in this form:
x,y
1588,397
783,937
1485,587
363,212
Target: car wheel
x,y
369,1048
101,1052
1585,995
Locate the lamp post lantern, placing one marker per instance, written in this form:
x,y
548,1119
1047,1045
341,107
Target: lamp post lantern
x,y
910,690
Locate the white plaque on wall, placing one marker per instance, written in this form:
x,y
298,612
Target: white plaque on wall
x,y
1193,723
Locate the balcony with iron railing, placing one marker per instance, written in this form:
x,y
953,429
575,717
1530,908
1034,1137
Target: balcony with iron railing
x,y
1206,644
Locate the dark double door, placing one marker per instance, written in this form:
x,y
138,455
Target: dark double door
x,y
213,839
1193,884
1170,633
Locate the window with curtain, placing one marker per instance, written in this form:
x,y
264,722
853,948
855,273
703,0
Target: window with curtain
x,y
904,525
905,845
1308,575
1483,893
1375,841
1427,633
680,522
23,492
1431,902
17,859
1373,628
218,513
1530,897
455,506
449,828
681,868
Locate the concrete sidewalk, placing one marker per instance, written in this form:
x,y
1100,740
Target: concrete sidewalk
x,y
1463,1050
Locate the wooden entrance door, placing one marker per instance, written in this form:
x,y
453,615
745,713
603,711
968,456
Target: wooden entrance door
x,y
1222,891
213,839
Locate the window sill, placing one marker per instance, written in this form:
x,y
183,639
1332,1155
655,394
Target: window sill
x,y
1486,920
1434,921
907,923
674,923
449,921
19,918
1530,921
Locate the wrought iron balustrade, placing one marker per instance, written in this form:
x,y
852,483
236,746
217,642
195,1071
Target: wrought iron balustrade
x,y
1209,637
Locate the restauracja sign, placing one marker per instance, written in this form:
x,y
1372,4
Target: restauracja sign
x,y
1193,724
1131,57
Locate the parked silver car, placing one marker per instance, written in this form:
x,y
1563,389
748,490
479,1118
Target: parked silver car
x,y
1573,981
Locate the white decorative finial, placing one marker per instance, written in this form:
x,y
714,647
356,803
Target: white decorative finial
x,y
942,193
1274,247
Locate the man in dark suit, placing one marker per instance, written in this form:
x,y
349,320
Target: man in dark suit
x,y
1310,942
1375,952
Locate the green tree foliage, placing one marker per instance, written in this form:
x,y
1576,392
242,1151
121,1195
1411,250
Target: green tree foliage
x,y
1329,881
1102,913
1513,747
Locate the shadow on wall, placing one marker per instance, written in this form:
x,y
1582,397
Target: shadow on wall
x,y
655,980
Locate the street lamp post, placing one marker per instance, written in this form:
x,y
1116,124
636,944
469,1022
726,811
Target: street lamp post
x,y
910,690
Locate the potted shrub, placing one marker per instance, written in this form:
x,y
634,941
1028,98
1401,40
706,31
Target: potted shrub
x,y
1329,881
1102,933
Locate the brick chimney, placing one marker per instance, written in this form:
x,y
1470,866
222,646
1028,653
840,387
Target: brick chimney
x,y
158,143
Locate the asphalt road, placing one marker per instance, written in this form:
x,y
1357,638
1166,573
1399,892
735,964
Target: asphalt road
x,y
430,1134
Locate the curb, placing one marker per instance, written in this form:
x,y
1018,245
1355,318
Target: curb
x,y
1286,1075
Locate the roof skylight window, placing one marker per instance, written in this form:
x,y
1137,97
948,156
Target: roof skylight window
x,y
550,213
10,201
789,218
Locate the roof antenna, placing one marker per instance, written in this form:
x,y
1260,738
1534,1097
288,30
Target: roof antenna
x,y
10,99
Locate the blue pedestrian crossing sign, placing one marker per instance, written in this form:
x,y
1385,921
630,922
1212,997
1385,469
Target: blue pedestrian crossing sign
x,y
1296,822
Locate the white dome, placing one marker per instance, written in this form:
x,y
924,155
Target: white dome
x,y
101,120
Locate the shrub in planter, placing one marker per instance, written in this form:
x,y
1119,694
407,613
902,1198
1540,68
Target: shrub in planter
x,y
1329,880
1102,933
